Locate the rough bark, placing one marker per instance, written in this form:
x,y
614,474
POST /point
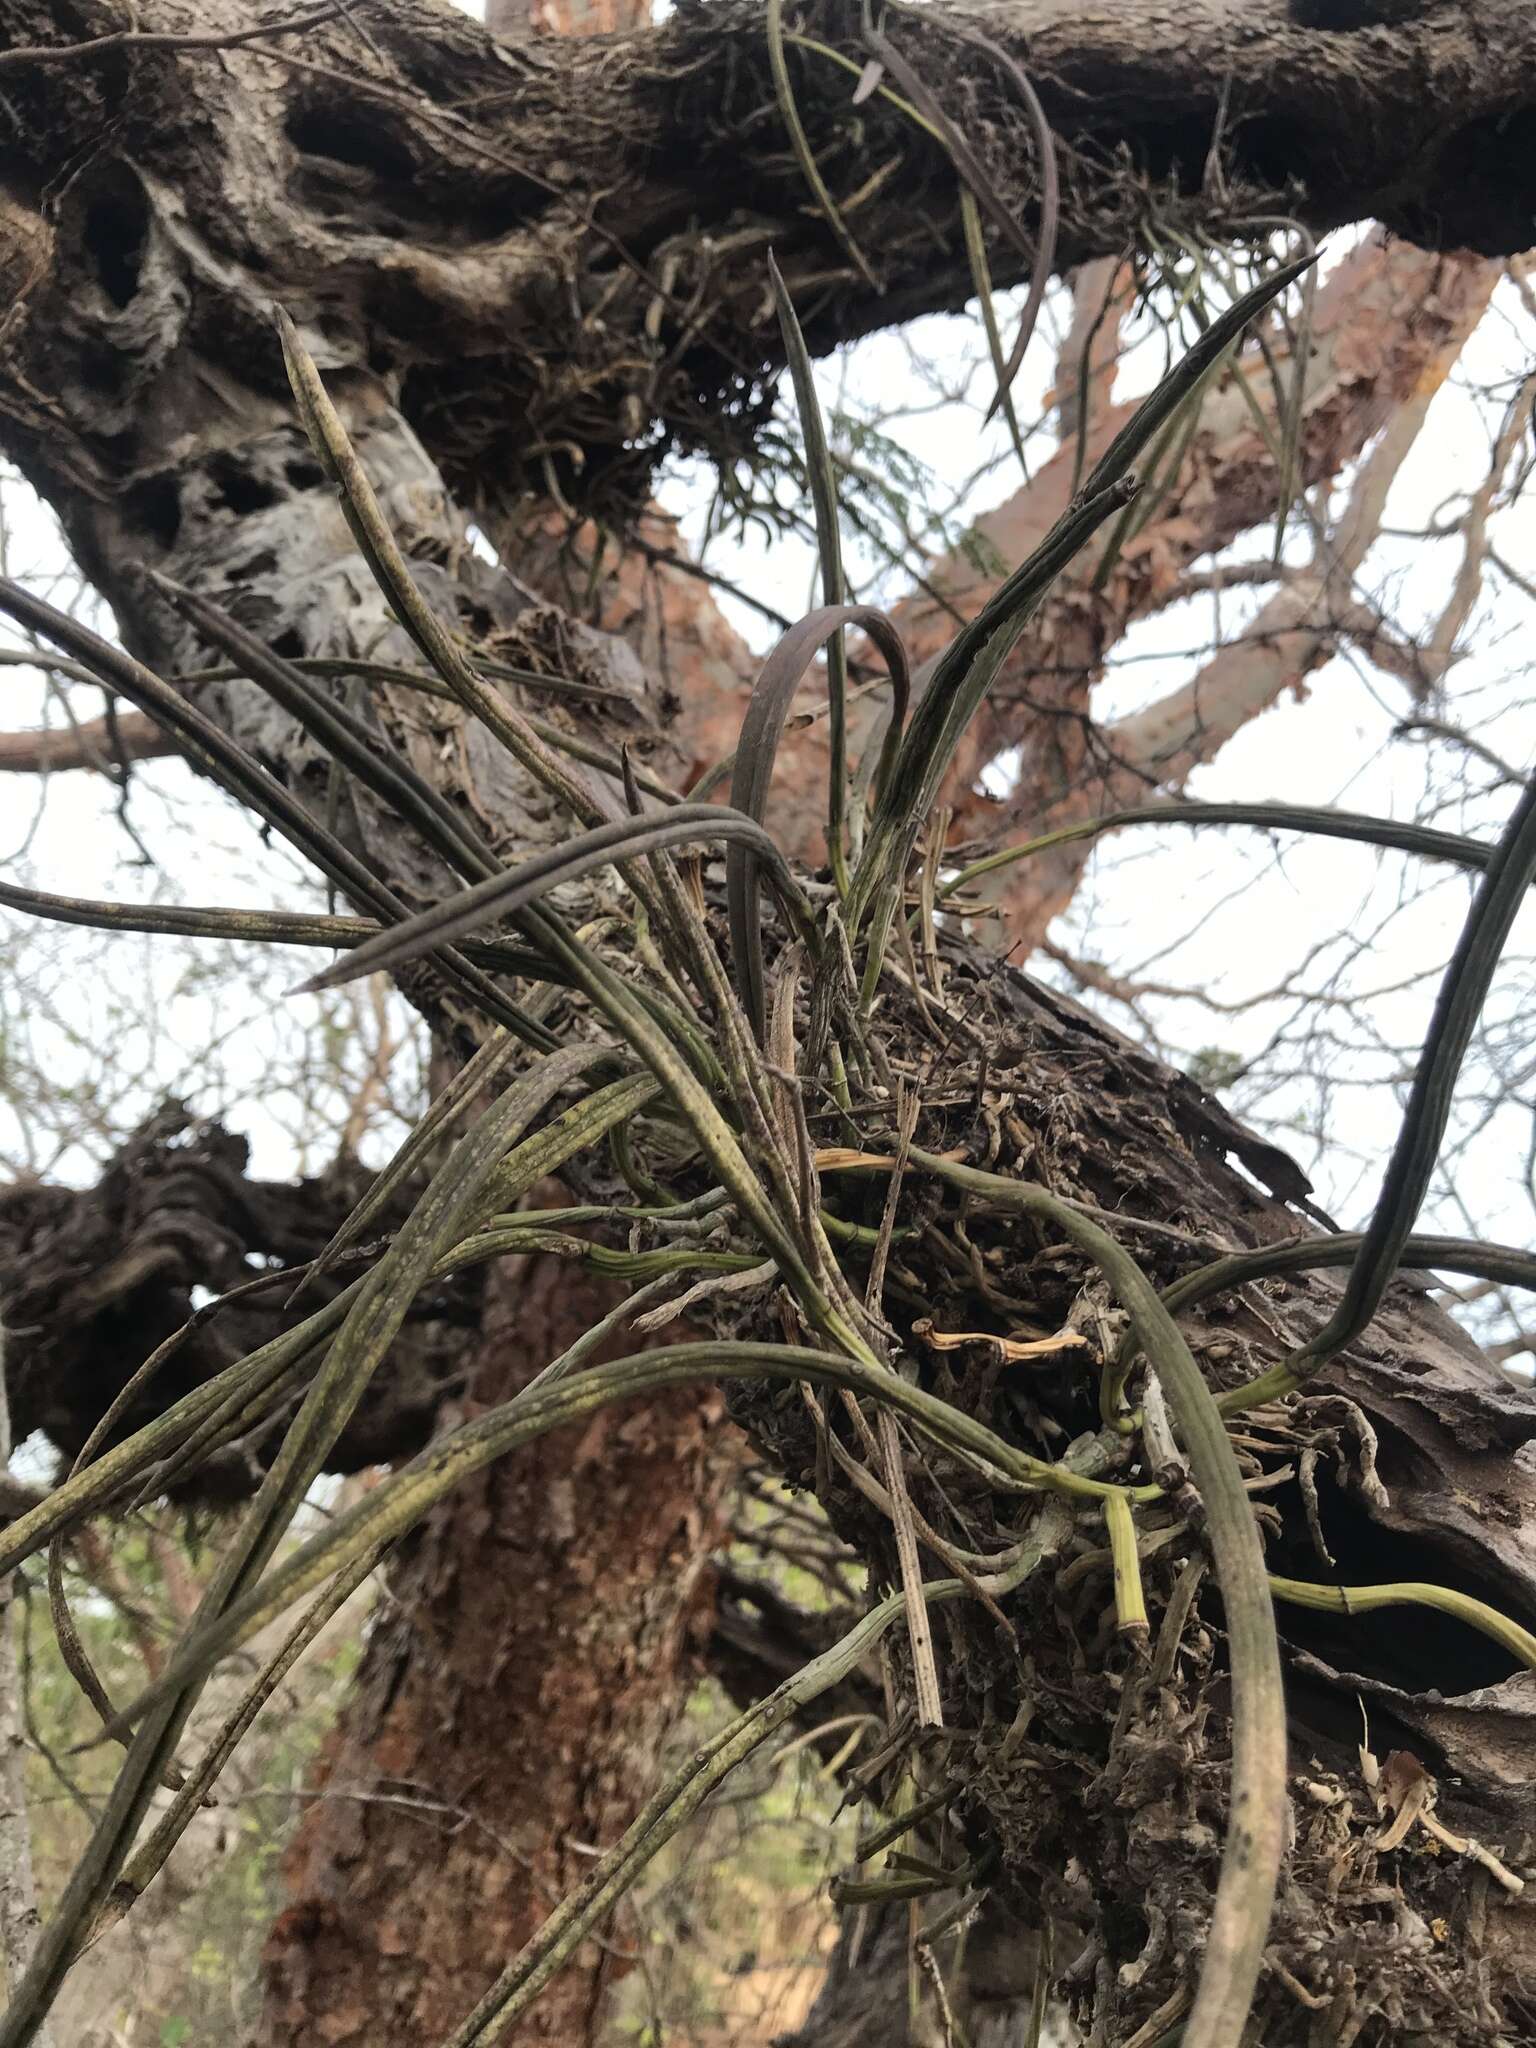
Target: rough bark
x,y
563,241
622,1548
1095,1783
536,1640
240,515
95,1279
647,1511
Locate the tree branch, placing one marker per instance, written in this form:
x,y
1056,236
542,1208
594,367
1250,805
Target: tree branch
x,y
1389,326
101,744
140,39
651,327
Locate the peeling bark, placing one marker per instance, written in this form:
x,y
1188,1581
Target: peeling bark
x,y
538,1636
1390,324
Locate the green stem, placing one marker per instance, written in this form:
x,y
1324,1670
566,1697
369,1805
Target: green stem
x,y
1352,1600
1256,1831
1130,1600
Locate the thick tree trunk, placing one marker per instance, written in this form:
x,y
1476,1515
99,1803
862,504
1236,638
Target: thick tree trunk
x,y
424,201
535,1641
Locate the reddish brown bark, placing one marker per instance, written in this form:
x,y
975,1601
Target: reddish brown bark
x,y
1395,351
514,19
541,1635
536,1641
1389,325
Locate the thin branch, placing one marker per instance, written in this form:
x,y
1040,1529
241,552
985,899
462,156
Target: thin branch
x,y
163,39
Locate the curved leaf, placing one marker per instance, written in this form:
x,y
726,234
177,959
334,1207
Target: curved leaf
x,y
758,746
1324,822
504,894
818,470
